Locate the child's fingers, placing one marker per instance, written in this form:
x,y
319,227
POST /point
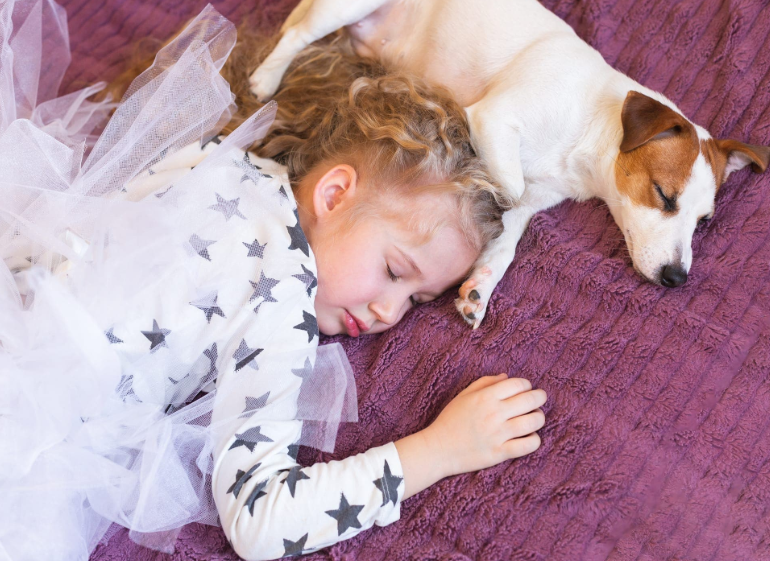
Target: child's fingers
x,y
518,447
481,383
523,403
524,424
510,387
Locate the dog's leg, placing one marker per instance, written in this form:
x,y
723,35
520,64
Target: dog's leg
x,y
491,266
318,19
496,138
297,15
494,261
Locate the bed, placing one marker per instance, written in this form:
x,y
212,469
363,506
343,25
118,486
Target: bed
x,y
657,441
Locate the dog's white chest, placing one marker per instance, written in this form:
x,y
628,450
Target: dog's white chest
x,y
384,31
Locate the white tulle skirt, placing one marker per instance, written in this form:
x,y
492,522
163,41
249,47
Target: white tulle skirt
x,y
77,453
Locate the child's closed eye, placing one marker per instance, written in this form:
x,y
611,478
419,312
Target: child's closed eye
x,y
395,278
391,274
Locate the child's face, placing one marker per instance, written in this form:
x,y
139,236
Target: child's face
x,y
371,273
374,273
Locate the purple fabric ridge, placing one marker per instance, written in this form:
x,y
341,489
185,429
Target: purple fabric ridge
x,y
656,443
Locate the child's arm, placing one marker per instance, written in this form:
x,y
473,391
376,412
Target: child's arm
x,y
270,507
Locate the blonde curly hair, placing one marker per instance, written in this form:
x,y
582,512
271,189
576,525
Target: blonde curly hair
x,y
403,139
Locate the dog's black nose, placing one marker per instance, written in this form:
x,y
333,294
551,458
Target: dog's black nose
x,y
673,275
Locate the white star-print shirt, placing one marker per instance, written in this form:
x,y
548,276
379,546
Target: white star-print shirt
x,y
249,309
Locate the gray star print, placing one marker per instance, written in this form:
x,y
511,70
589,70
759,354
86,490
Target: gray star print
x,y
308,278
111,337
254,403
255,494
160,195
263,288
175,382
293,451
305,371
388,485
298,239
295,474
291,548
159,157
245,355
346,515
308,324
212,354
251,171
250,438
212,140
125,385
208,305
241,478
255,249
157,336
201,246
227,208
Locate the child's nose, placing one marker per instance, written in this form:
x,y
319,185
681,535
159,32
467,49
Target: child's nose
x,y
387,311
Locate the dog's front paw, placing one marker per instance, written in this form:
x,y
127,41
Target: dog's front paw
x,y
474,296
264,82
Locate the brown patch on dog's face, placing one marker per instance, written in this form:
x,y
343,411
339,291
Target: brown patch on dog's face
x,y
658,150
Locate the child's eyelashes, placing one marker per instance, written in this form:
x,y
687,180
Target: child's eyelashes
x,y
391,274
395,278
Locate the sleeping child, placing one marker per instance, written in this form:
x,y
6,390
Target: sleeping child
x,y
176,260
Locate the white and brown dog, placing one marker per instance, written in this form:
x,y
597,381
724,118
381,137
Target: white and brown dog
x,y
550,117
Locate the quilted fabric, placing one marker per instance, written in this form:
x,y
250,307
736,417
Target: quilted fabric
x,y
656,444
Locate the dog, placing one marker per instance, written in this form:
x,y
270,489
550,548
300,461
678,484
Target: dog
x,y
549,116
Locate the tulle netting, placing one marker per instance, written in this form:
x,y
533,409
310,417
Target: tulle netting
x,y
84,445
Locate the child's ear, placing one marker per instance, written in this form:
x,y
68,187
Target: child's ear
x,y
335,188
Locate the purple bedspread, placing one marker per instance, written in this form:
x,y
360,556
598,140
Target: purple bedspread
x,y
657,441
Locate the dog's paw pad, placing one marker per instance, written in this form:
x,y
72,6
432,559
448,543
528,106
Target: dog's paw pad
x,y
471,304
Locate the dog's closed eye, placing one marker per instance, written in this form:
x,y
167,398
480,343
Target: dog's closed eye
x,y
669,203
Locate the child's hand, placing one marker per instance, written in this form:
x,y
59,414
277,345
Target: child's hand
x,y
492,420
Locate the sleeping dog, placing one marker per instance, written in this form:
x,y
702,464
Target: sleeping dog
x,y
550,117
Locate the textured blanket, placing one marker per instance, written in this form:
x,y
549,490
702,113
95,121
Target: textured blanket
x,y
657,442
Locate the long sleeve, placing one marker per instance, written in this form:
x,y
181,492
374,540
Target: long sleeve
x,y
268,505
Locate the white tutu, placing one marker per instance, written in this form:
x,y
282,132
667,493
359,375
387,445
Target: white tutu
x,y
90,437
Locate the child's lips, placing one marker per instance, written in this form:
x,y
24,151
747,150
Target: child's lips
x,y
350,324
354,325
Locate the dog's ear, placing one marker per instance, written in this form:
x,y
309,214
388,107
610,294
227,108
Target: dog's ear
x,y
739,155
646,119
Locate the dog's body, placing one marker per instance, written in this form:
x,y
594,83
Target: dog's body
x,y
551,119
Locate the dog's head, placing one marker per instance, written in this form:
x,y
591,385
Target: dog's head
x,y
667,174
